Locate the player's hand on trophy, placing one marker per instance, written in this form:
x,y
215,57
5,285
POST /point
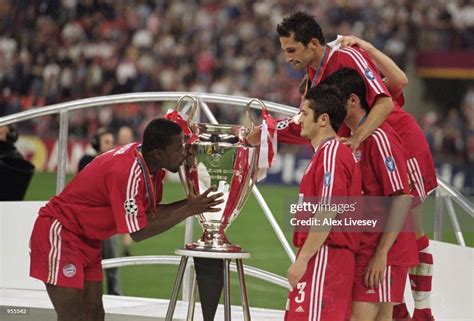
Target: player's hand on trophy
x,y
354,41
374,274
200,203
253,138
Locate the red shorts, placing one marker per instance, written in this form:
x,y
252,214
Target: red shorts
x,y
60,257
324,292
422,175
390,290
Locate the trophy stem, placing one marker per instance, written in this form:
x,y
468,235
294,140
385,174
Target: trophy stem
x,y
214,241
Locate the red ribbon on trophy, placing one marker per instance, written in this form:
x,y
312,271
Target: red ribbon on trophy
x,y
182,121
268,144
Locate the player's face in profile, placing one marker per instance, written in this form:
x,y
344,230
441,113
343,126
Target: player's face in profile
x,y
297,54
175,154
308,126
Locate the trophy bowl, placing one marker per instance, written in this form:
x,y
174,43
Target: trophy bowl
x,y
219,156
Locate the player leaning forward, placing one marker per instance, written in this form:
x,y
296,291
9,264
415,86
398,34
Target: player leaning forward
x,y
119,192
323,273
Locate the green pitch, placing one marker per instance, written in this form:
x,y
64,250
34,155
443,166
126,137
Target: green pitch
x,y
251,231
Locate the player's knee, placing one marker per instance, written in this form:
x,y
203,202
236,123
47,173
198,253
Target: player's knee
x,y
94,312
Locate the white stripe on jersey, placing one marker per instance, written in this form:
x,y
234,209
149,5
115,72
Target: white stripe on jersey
x,y
414,178
323,248
132,185
418,181
397,172
366,65
373,83
54,252
329,166
386,152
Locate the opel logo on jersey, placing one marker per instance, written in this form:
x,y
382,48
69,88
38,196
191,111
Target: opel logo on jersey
x,y
369,74
327,178
69,270
390,163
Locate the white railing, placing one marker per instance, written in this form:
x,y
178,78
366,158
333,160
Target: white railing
x,y
63,110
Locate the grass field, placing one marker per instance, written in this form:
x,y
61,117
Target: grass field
x,y
251,230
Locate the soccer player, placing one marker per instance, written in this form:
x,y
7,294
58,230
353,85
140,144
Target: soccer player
x,y
383,259
118,192
322,274
421,275
304,46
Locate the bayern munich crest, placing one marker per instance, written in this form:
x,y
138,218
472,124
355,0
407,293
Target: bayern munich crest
x,y
69,270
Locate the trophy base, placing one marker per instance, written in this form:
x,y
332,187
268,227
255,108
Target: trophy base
x,y
213,241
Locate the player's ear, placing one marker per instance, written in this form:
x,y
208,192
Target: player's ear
x,y
354,100
314,43
324,120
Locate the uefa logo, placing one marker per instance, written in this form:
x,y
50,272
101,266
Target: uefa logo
x,y
69,270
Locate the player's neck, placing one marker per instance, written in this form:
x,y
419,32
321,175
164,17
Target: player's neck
x,y
151,164
318,56
322,137
355,119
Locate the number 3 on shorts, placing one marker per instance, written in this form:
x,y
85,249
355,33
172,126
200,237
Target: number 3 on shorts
x,y
300,297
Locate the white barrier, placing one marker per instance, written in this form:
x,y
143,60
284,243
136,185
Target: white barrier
x,y
453,286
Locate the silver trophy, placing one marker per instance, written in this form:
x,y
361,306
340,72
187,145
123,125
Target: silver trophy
x,y
219,156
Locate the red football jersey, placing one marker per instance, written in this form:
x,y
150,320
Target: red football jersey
x,y
110,195
355,58
383,166
333,172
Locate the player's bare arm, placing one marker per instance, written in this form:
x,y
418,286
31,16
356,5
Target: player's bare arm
x,y
396,218
311,246
194,204
395,79
383,106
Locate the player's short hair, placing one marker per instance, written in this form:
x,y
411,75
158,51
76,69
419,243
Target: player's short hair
x,y
349,81
159,134
303,27
326,99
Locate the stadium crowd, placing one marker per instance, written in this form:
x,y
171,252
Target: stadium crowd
x,y
53,51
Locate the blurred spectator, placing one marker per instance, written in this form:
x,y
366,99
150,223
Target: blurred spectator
x,y
15,172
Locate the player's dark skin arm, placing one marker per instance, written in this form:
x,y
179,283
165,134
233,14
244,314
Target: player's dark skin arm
x,y
396,218
164,220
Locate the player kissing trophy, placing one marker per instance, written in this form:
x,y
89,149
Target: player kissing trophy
x,y
219,155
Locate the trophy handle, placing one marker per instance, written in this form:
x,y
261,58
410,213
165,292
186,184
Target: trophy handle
x,y
193,107
249,114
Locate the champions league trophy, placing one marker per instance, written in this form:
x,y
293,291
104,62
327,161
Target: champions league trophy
x,y
218,155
